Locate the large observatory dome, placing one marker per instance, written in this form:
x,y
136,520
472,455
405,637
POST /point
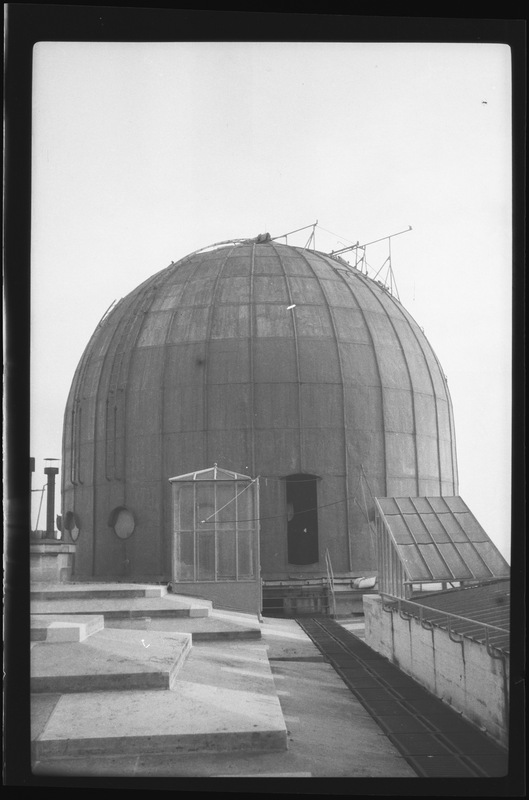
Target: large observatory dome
x,y
269,360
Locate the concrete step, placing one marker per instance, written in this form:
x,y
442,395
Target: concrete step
x,y
169,605
217,626
91,591
224,701
114,660
64,627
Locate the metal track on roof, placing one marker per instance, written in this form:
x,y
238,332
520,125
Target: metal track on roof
x,y
435,740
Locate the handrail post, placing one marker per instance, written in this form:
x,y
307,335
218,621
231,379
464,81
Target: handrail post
x,y
448,617
330,579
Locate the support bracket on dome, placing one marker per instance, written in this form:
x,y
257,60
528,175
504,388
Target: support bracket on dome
x,y
262,237
305,227
362,246
361,263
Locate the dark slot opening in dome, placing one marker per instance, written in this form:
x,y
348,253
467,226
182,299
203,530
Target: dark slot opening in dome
x,y
302,512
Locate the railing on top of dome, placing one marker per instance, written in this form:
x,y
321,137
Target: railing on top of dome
x,y
363,246
361,260
260,238
311,239
360,252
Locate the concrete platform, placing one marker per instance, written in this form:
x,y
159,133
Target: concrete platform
x,y
63,627
93,590
286,641
217,626
168,605
114,600
225,701
110,660
329,733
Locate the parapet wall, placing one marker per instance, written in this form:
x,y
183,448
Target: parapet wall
x,y
242,596
51,561
463,675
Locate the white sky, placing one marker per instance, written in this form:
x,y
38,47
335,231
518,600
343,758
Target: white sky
x,y
145,152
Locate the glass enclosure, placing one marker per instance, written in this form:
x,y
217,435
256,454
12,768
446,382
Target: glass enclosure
x,y
215,526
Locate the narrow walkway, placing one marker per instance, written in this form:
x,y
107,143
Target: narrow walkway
x,y
435,740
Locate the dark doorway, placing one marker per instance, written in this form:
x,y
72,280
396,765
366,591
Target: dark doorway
x,y
302,519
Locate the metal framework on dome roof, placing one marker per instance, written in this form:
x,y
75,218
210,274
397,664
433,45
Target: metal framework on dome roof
x,y
312,237
361,260
216,244
360,252
259,239
363,246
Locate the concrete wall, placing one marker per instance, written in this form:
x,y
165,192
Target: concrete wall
x,y
242,596
51,562
463,675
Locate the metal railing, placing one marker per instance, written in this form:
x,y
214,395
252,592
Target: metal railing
x,y
330,581
445,619
296,597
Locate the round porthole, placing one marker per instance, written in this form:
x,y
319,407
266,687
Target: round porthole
x,y
122,521
71,524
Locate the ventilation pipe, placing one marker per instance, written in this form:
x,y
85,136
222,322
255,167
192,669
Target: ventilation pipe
x,y
51,472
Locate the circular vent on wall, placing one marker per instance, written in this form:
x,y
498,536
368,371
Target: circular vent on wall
x,y
122,521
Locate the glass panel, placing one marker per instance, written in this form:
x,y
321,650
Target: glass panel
x,y
471,526
226,566
452,527
183,507
436,530
245,553
388,505
421,504
473,561
206,556
245,506
438,504
185,557
435,564
205,505
414,565
455,562
405,505
226,507
493,558
205,475
416,526
400,530
455,504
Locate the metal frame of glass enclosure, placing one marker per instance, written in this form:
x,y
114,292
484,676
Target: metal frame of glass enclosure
x,y
215,527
